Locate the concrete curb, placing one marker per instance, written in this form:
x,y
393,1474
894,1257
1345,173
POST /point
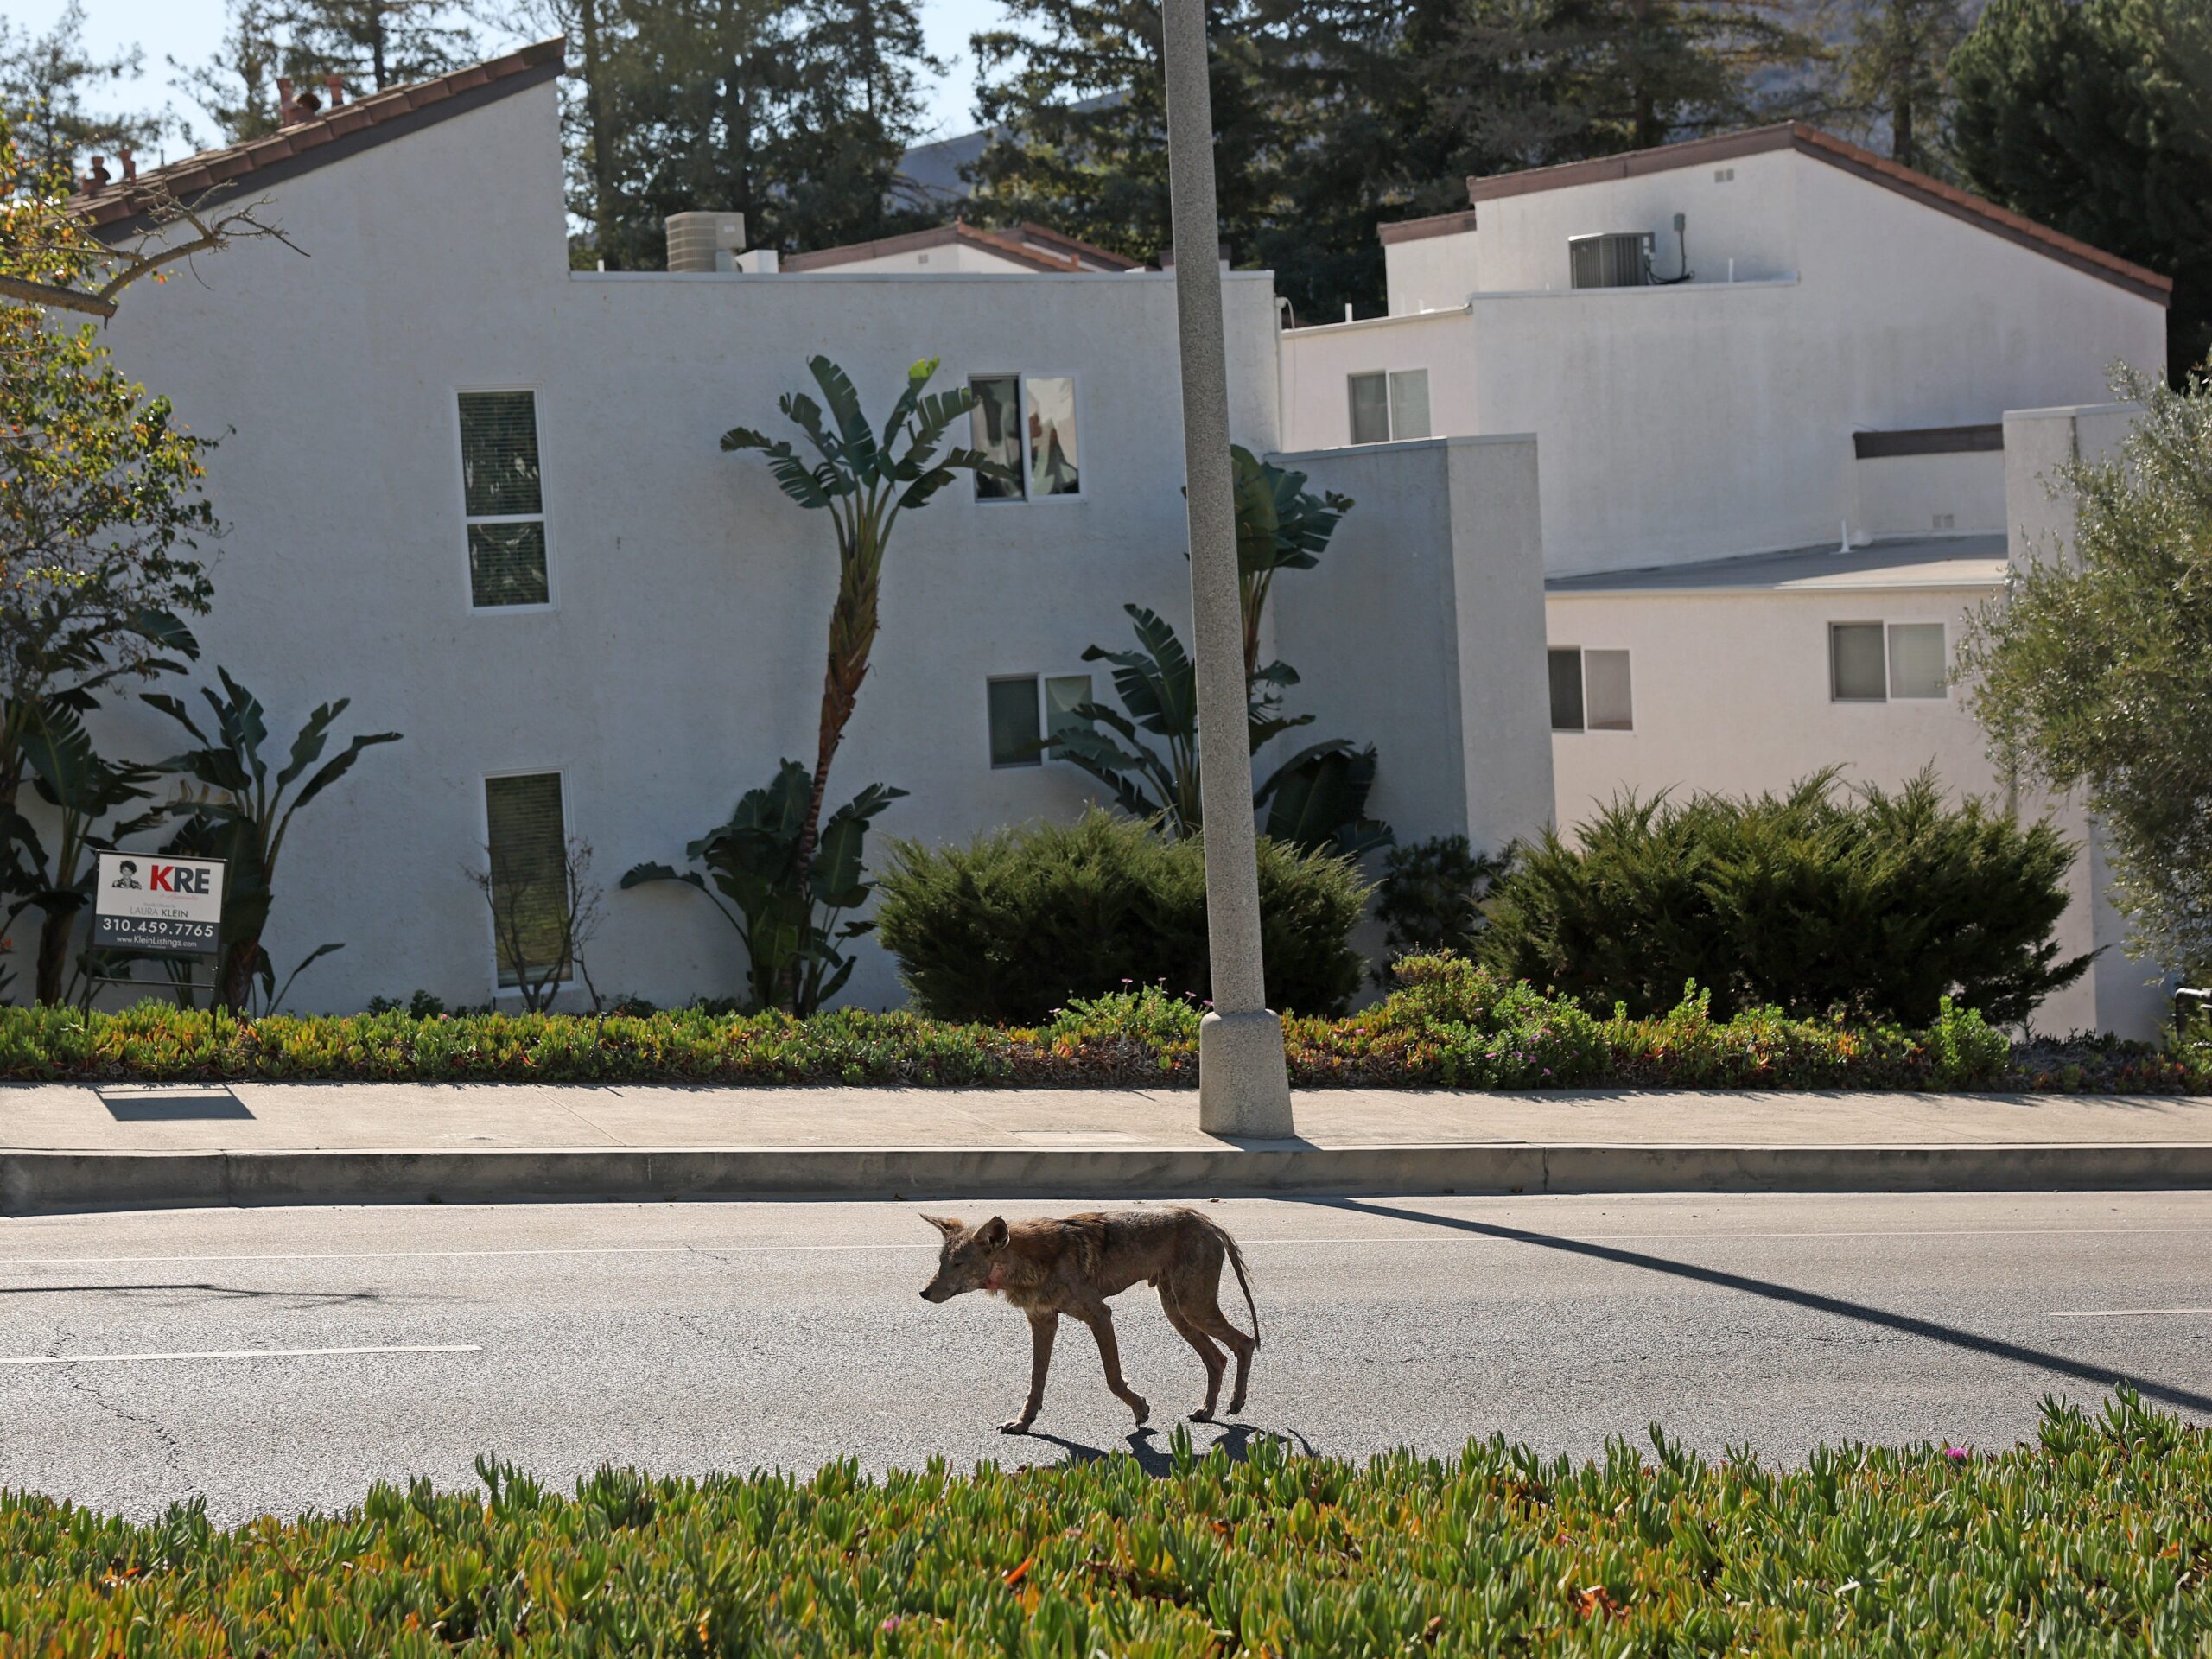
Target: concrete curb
x,y
46,1182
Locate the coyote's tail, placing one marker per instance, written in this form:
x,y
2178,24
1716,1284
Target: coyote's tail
x,y
1236,1261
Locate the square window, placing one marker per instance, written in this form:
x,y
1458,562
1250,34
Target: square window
x,y
1064,695
1606,690
1408,404
1370,407
1567,689
1918,665
995,428
528,848
1016,738
503,499
1856,672
1052,468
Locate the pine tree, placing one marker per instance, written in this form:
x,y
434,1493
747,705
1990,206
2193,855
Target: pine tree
x,y
2095,116
1893,73
45,81
369,44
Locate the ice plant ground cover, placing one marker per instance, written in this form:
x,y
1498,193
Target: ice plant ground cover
x,y
2094,1538
1448,1024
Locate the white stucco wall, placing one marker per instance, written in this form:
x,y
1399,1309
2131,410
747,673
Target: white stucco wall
x,y
1924,495
682,652
958,258
1426,617
1709,419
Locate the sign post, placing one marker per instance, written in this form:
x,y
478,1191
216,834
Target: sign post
x,y
154,905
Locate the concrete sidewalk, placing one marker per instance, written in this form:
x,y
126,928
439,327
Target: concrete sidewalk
x,y
68,1146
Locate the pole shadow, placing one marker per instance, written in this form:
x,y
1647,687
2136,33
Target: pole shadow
x,y
2102,1377
160,1104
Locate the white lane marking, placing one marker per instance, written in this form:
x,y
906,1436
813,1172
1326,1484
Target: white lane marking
x,y
1428,1236
2127,1313
238,1353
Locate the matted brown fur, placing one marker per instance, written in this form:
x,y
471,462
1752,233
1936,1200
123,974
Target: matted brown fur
x,y
1072,1264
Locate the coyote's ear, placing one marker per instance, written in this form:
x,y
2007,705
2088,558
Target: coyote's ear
x,y
992,1234
945,1225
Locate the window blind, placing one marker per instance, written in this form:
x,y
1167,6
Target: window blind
x,y
529,847
504,500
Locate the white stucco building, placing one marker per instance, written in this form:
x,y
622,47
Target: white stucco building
x,y
1777,386
603,626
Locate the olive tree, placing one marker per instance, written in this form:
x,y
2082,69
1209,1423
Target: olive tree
x,y
2093,672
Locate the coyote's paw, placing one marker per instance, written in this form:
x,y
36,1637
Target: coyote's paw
x,y
1142,1410
1203,1414
1016,1426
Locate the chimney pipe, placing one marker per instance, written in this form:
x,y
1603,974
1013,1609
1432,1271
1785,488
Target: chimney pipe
x,y
284,116
336,84
129,162
98,178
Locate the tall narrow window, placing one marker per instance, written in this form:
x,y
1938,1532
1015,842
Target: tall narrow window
x,y
1409,403
528,848
1918,665
1856,671
995,428
1026,424
1605,691
1567,689
1064,695
1052,469
1016,739
503,498
1370,407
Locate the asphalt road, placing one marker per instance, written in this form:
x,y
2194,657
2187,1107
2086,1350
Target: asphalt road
x,y
282,1359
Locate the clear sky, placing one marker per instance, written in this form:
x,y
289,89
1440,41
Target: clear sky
x,y
187,29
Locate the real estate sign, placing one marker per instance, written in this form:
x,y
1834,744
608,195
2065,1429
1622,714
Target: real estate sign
x,y
150,901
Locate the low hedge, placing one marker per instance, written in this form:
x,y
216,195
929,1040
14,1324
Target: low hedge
x,y
1448,1024
1009,926
2095,1538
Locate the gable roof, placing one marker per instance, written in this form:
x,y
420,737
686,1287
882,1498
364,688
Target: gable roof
x,y
1819,146
320,139
1835,152
1031,245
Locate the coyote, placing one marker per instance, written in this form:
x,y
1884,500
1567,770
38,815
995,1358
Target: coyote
x,y
1072,1265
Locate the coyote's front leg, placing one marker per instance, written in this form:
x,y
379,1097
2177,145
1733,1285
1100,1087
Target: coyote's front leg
x,y
1042,1326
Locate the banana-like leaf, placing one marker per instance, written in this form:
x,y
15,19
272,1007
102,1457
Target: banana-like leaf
x,y
175,708
243,726
1317,800
638,874
308,744
855,437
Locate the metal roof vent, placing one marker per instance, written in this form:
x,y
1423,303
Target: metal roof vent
x,y
1613,259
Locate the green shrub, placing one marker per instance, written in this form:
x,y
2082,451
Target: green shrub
x,y
1010,926
2091,1540
1431,895
1874,909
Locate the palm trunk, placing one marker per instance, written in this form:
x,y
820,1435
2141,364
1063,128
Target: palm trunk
x,y
852,637
55,930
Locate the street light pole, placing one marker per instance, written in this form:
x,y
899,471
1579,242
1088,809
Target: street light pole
x,y
1243,1087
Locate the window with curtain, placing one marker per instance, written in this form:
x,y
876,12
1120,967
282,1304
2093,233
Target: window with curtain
x,y
1016,737
1856,672
1919,667
528,845
1026,423
503,499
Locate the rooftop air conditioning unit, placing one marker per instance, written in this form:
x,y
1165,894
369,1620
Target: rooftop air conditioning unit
x,y
705,241
1614,259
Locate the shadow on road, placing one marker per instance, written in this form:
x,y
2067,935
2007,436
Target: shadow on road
x,y
298,1297
1837,1306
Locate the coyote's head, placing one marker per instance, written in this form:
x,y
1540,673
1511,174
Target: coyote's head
x,y
969,1259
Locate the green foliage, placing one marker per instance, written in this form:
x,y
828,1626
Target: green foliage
x,y
1892,70
1316,799
241,815
864,480
792,112
1431,893
2095,116
787,920
1877,908
1330,118
2094,672
1013,924
2089,1539
1450,1024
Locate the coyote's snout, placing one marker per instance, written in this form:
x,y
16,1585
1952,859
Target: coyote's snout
x,y
1072,1265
